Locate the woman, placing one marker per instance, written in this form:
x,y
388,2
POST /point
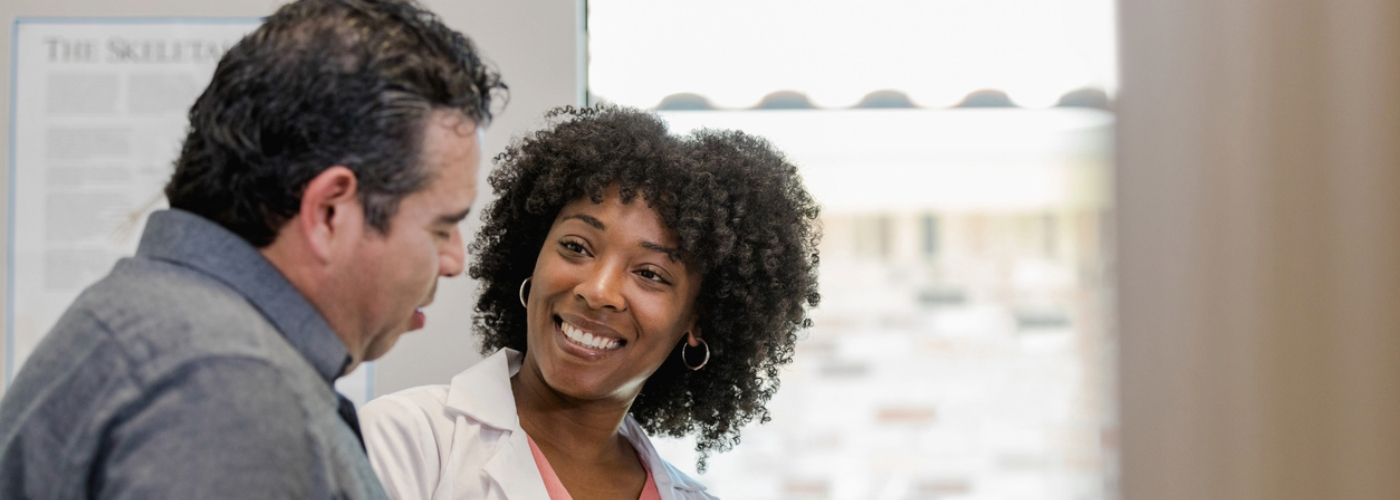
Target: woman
x,y
632,283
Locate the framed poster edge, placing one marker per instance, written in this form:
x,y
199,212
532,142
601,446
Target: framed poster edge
x,y
135,20
14,122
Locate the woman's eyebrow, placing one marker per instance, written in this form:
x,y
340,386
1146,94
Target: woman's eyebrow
x,y
588,219
671,253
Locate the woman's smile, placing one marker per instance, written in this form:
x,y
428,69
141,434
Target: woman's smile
x,y
593,342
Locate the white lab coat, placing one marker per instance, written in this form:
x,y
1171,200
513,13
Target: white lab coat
x,y
463,441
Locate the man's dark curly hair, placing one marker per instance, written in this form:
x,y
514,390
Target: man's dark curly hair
x,y
742,217
324,83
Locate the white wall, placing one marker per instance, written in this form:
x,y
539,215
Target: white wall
x,y
537,44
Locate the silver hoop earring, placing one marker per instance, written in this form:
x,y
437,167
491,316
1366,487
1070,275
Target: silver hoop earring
x,y
702,363
523,284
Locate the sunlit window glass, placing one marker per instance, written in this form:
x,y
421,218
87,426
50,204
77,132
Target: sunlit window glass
x,y
961,150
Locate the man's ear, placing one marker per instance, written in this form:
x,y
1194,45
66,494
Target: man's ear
x,y
330,208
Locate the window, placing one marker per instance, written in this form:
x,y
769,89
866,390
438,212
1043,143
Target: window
x,y
961,152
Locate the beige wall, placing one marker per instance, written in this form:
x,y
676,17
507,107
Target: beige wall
x,y
537,44
1258,198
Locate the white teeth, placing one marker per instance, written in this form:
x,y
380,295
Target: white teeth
x,y
587,339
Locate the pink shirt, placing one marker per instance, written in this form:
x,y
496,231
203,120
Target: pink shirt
x,y
556,489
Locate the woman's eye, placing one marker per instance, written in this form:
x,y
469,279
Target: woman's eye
x,y
651,275
573,246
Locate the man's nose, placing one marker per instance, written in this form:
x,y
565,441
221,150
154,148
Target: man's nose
x,y
454,256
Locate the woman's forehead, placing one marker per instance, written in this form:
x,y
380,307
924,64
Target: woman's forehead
x,y
612,206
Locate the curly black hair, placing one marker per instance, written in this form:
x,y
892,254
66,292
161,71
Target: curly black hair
x,y
324,83
743,220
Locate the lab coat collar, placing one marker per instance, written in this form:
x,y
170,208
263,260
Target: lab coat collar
x,y
482,392
666,476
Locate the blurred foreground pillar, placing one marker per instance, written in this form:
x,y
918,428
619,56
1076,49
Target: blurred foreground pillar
x,y
1258,197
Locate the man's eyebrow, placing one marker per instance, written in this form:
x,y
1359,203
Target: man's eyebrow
x,y
588,219
453,219
671,253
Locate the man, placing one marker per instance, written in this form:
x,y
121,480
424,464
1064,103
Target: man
x,y
314,205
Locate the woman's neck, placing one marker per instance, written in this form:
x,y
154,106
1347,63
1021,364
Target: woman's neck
x,y
573,428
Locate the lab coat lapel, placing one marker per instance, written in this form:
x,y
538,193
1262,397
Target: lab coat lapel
x,y
483,393
513,468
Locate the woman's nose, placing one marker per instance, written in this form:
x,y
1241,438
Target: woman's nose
x,y
603,288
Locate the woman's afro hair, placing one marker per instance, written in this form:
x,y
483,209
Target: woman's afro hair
x,y
741,216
